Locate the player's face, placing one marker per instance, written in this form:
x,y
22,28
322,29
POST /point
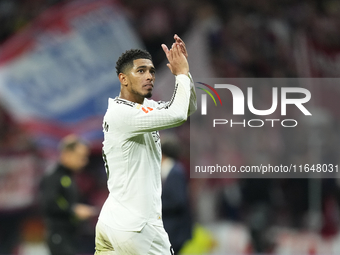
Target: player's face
x,y
141,78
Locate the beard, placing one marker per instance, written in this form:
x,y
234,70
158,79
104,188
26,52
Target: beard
x,y
148,95
145,95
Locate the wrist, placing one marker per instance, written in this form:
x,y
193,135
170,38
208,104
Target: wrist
x,y
184,73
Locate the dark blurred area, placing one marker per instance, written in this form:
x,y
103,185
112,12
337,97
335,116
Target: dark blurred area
x,y
245,38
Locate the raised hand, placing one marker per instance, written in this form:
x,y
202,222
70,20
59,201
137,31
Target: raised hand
x,y
181,44
178,63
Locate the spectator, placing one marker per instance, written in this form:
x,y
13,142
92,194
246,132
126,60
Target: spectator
x,y
175,199
59,198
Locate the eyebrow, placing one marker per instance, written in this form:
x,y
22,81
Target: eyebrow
x,y
146,67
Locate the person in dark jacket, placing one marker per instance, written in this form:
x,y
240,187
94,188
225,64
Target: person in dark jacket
x,y
176,211
59,197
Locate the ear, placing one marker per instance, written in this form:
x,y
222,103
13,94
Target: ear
x,y
123,79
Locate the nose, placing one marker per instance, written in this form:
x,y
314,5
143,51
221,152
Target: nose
x,y
149,76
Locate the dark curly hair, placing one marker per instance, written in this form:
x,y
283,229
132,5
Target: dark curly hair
x,y
127,58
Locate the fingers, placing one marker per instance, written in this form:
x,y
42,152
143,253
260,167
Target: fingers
x,y
172,52
178,39
169,53
178,45
181,52
180,42
183,49
175,50
165,49
177,58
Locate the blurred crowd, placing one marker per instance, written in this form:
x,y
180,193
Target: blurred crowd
x,y
246,39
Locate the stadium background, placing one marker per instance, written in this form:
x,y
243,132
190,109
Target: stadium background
x,y
277,38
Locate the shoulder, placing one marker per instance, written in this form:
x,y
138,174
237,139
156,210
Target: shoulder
x,y
51,175
118,102
124,107
122,102
118,109
125,104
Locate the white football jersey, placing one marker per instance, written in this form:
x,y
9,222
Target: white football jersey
x,y
132,155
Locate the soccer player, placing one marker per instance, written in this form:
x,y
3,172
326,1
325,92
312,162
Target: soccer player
x,y
130,221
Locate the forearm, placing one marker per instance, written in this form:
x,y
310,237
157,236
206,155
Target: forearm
x,y
173,113
193,100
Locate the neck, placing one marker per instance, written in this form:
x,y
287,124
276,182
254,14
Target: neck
x,y
132,97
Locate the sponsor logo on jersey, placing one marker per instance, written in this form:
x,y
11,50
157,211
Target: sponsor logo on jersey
x,y
147,109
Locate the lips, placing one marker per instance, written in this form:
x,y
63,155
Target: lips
x,y
148,86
